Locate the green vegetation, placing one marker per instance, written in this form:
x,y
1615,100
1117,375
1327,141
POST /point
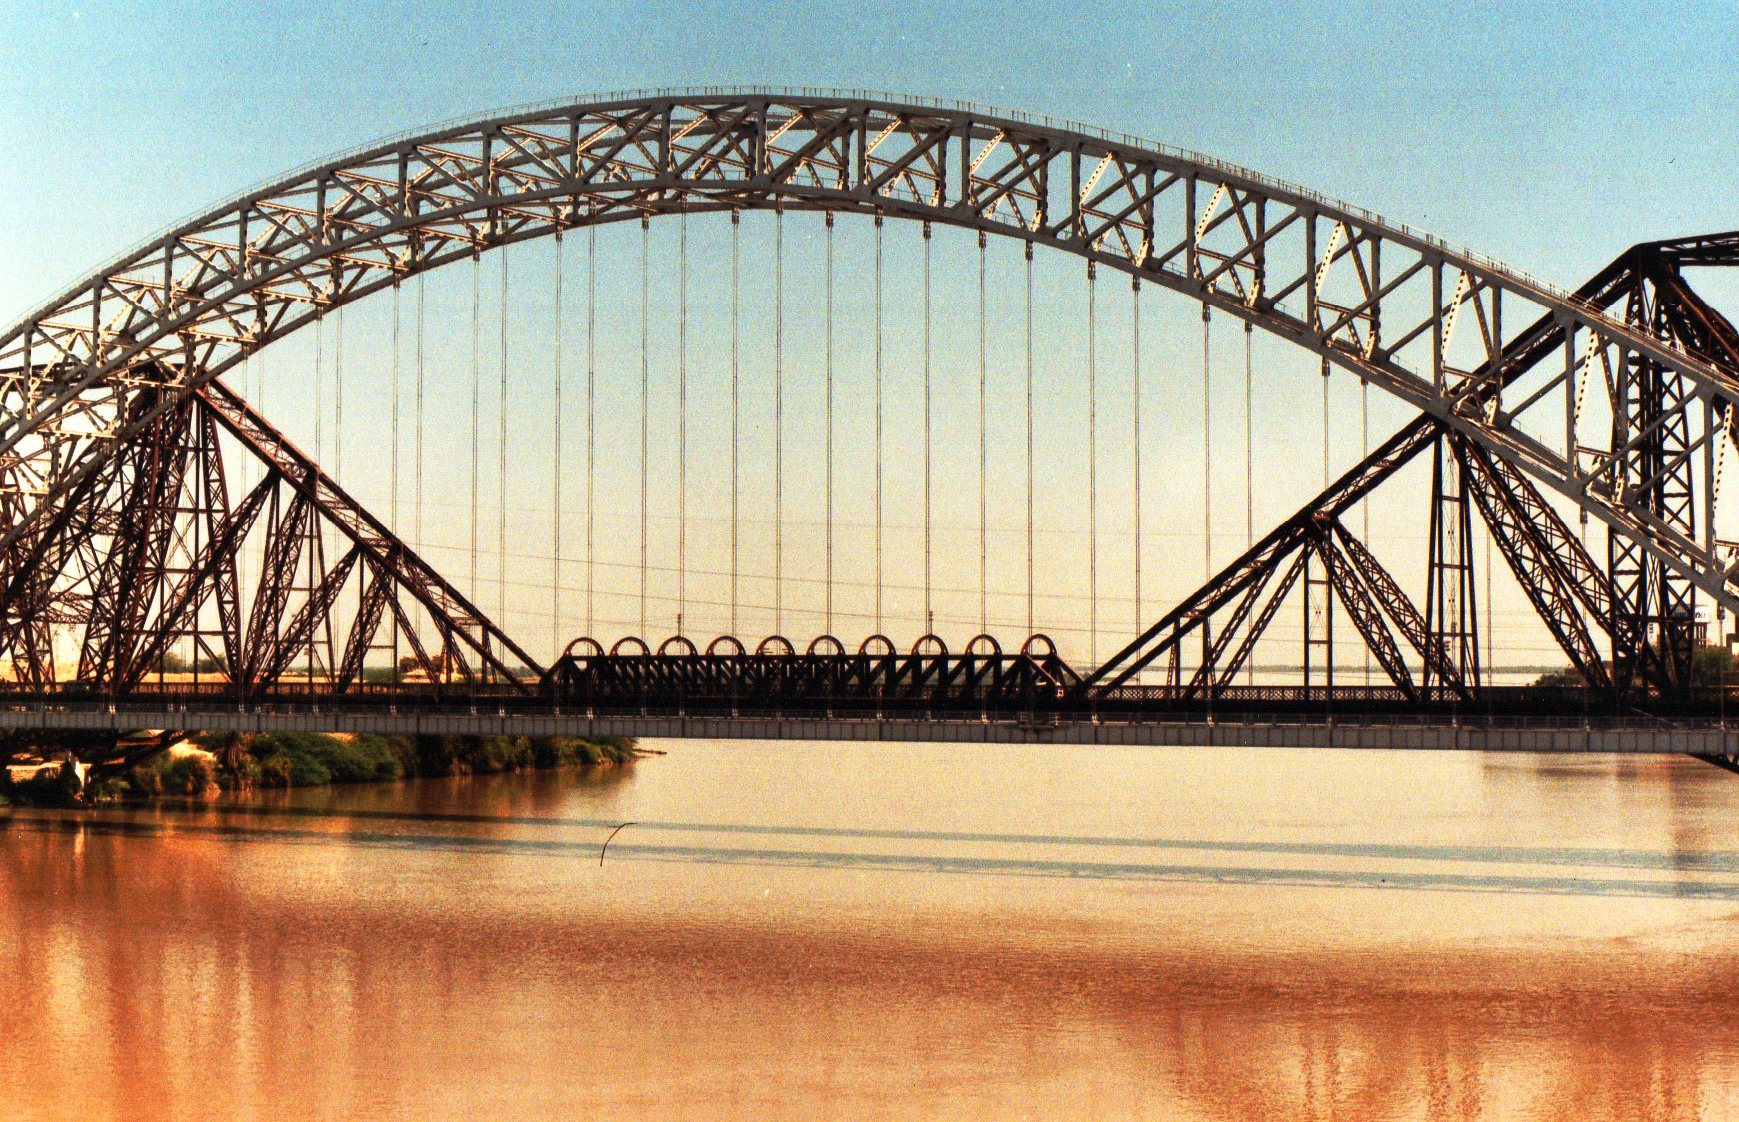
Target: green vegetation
x,y
1710,666
311,760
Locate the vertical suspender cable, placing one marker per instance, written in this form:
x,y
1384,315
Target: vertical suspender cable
x,y
1029,439
682,421
878,375
1249,466
736,410
929,611
1092,464
393,502
1207,490
828,364
1365,506
1249,444
476,402
338,395
645,399
417,476
779,422
393,456
555,502
1207,452
319,390
983,459
1135,431
591,420
501,463
1325,424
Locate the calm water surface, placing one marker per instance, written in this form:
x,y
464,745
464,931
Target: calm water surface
x,y
803,931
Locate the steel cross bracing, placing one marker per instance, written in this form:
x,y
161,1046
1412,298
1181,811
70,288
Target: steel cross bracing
x,y
1404,311
1570,591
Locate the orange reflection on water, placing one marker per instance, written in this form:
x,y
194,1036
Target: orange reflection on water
x,y
797,931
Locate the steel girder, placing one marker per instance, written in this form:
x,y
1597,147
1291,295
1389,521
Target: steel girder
x,y
858,681
1407,312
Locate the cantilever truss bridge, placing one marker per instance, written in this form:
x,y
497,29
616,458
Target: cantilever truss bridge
x,y
149,510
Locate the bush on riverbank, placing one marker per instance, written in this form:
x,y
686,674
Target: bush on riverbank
x,y
313,759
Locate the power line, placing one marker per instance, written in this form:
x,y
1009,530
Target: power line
x,y
1029,439
983,456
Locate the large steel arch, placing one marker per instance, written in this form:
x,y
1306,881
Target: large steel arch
x,y
1441,327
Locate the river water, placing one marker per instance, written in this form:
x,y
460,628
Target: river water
x,y
892,931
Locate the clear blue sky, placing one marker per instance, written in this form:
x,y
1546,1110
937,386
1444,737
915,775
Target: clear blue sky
x,y
1549,135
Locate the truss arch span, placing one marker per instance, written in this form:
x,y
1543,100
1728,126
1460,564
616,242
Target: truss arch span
x,y
1448,330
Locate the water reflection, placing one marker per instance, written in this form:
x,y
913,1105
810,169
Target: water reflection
x,y
793,930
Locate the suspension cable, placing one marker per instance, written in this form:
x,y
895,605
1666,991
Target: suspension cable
x,y
1029,439
779,421
555,608
1092,463
878,373
645,399
983,458
682,420
1135,430
476,401
929,612
828,363
501,464
736,410
591,417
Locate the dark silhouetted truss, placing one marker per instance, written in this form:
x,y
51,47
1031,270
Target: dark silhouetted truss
x,y
114,513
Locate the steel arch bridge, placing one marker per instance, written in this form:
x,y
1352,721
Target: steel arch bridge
x,y
118,521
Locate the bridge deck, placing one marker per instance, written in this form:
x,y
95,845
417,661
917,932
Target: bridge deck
x,y
1634,735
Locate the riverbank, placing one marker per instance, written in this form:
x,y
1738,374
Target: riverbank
x,y
205,766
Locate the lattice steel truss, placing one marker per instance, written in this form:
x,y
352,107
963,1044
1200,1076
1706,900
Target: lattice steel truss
x,y
110,388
